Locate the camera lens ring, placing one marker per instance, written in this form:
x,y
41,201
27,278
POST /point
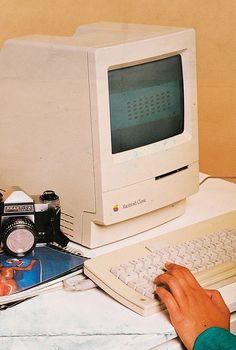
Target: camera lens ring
x,y
18,236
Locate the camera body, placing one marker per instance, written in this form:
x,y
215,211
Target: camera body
x,y
27,220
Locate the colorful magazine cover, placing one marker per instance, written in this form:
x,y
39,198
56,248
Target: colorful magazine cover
x,y
44,264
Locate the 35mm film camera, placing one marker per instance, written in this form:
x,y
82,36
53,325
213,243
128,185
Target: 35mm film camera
x,y
26,220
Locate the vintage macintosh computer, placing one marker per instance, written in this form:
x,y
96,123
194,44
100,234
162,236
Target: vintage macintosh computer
x,y
108,119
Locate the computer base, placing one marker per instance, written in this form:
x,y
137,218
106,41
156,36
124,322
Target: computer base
x,y
95,235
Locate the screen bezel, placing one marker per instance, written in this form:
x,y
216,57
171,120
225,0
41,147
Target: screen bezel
x,y
122,169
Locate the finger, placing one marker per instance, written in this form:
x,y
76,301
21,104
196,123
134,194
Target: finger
x,y
168,300
186,274
179,273
176,275
175,287
169,267
217,299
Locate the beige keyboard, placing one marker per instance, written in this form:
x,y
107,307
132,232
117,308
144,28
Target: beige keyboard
x,y
208,249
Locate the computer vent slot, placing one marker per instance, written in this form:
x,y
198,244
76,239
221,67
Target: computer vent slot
x,y
67,224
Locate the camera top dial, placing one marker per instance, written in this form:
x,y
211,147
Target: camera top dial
x,y
49,196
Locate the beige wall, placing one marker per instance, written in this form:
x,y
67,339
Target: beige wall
x,y
214,21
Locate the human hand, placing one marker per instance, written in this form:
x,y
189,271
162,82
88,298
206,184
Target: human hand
x,y
192,309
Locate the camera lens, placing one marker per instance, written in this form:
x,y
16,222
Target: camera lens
x,y
19,236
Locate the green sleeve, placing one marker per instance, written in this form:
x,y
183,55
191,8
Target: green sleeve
x,y
215,339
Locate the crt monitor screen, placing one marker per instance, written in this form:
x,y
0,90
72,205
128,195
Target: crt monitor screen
x,y
146,103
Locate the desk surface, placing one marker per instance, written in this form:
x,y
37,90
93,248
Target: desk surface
x,y
92,320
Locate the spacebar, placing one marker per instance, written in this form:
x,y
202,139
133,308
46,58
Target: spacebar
x,y
216,274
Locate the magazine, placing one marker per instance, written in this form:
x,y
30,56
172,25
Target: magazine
x,y
42,270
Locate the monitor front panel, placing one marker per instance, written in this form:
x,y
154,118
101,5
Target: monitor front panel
x,y
144,109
